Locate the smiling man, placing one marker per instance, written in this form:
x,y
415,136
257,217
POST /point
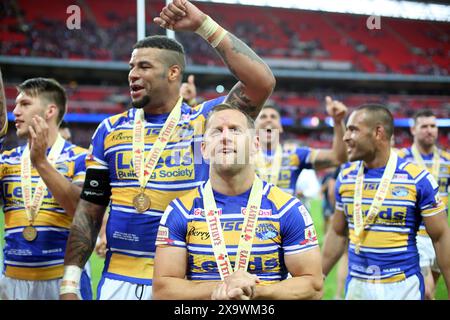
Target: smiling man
x,y
135,159
281,164
425,153
41,183
256,233
380,202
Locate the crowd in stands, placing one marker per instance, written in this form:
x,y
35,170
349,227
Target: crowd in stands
x,y
108,30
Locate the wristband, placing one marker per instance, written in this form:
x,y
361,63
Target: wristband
x,y
70,282
211,31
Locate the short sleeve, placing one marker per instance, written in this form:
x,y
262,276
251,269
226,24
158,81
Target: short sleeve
x,y
80,167
173,227
306,157
428,198
297,230
96,154
339,205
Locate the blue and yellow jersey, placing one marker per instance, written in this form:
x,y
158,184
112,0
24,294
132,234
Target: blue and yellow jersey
x,y
284,228
43,258
294,160
388,250
444,174
131,235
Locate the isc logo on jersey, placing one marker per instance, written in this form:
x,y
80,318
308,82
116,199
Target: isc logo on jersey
x,y
173,165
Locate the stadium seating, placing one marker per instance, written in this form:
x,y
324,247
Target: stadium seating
x,y
108,31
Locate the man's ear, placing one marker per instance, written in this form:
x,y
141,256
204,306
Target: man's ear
x,y
51,112
412,129
254,145
174,73
203,150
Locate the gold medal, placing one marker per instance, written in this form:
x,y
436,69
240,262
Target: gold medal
x,y
141,202
29,233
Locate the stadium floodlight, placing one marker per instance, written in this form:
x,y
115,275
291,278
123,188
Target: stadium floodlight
x,y
385,8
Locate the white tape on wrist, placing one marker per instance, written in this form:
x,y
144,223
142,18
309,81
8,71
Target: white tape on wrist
x,y
208,29
70,282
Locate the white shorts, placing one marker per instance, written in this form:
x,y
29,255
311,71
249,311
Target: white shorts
x,y
110,289
427,255
15,289
410,289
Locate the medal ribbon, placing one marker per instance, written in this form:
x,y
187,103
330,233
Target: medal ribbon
x,y
270,172
419,160
380,195
144,171
247,234
33,203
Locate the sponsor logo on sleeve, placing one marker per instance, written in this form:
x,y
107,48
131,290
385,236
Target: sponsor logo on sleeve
x,y
163,234
305,214
310,236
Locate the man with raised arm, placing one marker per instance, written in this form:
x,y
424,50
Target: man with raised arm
x,y
144,158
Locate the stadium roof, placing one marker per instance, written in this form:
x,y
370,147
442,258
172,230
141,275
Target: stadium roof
x,y
387,8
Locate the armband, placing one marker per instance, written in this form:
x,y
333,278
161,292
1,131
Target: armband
x,y
97,188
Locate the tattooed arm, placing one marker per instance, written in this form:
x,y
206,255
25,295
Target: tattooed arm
x,y
88,219
83,236
3,110
256,80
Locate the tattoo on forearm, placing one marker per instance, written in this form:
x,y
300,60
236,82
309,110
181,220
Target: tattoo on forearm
x,y
237,98
83,233
323,163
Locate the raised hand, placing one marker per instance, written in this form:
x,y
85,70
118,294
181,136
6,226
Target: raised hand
x,y
336,109
180,15
188,90
38,140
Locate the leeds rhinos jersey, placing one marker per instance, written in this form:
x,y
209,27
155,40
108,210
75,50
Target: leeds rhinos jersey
x,y
444,174
284,227
43,258
388,251
294,160
130,235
